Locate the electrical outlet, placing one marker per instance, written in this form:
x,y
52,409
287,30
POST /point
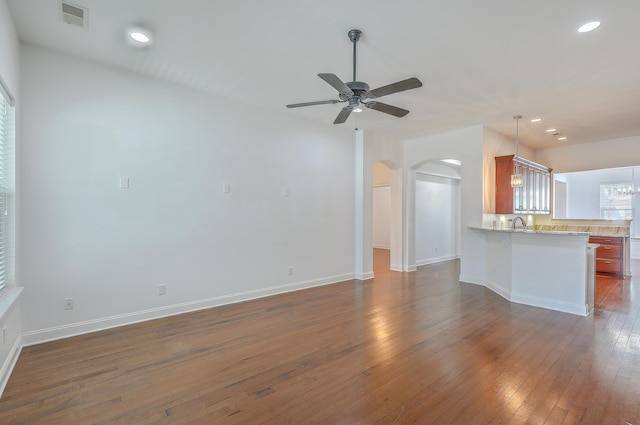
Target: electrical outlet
x,y
162,289
68,303
290,271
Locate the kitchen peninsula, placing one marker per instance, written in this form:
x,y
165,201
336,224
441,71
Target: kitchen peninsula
x,y
549,269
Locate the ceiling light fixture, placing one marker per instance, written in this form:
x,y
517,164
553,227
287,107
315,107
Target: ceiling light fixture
x,y
140,37
536,120
516,177
551,130
589,26
562,138
357,109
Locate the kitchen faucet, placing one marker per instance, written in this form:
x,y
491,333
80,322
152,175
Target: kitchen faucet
x,y
513,223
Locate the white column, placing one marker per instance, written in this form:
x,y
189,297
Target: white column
x,y
396,219
363,210
409,222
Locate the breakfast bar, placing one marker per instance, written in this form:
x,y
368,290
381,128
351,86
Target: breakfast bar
x,y
549,269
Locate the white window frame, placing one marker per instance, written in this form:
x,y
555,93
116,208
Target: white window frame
x,y
7,135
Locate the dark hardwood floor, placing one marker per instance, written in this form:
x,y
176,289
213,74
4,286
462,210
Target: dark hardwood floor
x,y
401,349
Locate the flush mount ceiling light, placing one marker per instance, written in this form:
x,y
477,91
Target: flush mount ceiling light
x,y
562,138
589,26
139,36
536,120
551,130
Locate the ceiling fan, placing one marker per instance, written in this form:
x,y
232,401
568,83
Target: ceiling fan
x,y
358,93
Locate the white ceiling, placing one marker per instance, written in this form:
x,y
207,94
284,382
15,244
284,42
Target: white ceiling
x,y
481,62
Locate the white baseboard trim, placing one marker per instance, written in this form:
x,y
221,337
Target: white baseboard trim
x,y
580,310
503,292
471,279
10,363
73,329
437,260
364,276
399,268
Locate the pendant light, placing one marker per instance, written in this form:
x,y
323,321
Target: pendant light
x,y
516,177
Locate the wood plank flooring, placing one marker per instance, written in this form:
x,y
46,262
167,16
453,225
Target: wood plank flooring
x,y
405,348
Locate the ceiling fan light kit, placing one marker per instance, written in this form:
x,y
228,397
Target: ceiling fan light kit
x,y
358,94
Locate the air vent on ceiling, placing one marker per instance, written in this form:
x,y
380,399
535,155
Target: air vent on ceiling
x,y
75,15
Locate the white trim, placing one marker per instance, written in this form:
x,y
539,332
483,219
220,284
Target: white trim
x,y
10,363
364,276
8,299
437,260
565,307
503,292
73,329
4,91
396,267
581,310
475,280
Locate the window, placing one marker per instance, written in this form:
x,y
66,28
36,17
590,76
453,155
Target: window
x,y
6,139
616,201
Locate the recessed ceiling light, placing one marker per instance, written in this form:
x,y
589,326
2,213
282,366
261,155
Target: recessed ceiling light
x,y
139,36
562,138
589,26
551,130
536,120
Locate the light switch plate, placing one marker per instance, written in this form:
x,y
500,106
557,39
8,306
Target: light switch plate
x,y
124,182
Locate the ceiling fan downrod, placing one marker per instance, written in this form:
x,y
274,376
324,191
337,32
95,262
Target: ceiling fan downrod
x,y
354,36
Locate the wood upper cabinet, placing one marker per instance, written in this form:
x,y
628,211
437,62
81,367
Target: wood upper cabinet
x,y
533,197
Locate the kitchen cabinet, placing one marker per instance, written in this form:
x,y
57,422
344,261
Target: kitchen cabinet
x,y
534,195
609,255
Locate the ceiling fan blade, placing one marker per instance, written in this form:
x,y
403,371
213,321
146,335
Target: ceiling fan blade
x,y
320,102
387,109
336,83
343,115
408,84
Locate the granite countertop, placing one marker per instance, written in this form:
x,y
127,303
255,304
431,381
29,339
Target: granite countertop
x,y
610,231
533,231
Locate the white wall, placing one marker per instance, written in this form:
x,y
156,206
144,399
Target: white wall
x,y
465,145
592,156
437,218
10,309
381,217
583,190
86,125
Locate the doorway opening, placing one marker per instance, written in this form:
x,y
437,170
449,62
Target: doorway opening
x,y
381,239
437,212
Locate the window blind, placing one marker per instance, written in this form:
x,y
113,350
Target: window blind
x,y
6,135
